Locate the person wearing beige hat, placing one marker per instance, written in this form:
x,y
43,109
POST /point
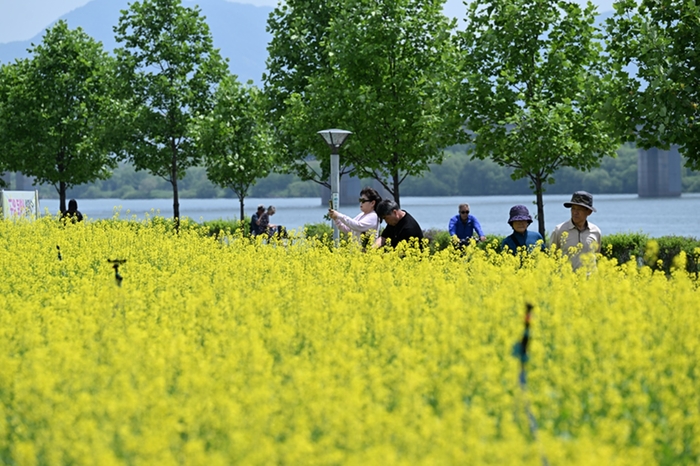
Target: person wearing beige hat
x,y
578,232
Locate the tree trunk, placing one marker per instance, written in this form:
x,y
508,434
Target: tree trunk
x,y
62,196
61,184
176,198
241,201
396,184
540,206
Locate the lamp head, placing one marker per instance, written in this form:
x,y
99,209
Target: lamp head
x,y
334,137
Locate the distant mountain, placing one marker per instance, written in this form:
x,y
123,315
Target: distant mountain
x,y
238,31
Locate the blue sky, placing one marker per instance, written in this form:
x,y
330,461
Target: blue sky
x,y
23,19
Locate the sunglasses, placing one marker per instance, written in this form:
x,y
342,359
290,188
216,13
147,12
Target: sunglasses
x,y
464,212
362,201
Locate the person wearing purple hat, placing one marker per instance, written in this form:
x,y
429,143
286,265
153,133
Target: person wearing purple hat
x,y
519,220
578,230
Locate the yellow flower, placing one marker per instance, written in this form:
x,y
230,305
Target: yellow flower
x,y
237,351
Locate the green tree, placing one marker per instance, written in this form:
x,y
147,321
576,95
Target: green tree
x,y
169,69
4,156
533,88
654,49
56,109
387,73
691,181
236,139
296,53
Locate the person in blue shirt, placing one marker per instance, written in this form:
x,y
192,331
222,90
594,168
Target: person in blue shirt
x,y
519,220
463,226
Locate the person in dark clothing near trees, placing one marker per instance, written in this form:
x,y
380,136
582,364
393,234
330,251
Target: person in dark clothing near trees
x,y
72,214
401,226
268,228
254,227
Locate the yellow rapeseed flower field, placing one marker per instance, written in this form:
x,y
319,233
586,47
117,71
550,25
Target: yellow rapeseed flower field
x,y
223,351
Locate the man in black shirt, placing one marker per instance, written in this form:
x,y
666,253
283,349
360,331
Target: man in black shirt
x,y
401,226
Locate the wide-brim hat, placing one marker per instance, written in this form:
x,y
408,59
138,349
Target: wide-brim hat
x,y
519,212
582,198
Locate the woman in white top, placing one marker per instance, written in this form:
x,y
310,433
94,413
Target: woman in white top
x,y
365,221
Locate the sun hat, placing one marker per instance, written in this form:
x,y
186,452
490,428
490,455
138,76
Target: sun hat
x,y
582,198
519,212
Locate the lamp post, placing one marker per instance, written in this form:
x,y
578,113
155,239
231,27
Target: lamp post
x,y
335,138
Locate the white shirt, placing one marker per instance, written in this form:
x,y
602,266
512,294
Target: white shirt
x,y
589,238
362,223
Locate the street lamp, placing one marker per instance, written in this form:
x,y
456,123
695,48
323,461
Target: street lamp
x,y
335,138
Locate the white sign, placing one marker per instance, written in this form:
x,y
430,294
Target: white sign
x,y
17,204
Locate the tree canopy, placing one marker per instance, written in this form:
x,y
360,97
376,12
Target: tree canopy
x,y
534,88
169,71
55,111
235,139
296,53
385,70
654,49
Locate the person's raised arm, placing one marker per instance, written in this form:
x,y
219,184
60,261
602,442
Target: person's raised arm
x,y
367,222
337,218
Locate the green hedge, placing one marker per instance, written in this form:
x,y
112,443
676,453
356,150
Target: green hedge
x,y
227,227
662,253
441,239
624,246
665,253
321,231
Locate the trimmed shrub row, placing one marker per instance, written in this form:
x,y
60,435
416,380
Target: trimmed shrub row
x,y
664,253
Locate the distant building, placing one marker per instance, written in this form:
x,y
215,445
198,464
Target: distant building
x,y
17,181
659,173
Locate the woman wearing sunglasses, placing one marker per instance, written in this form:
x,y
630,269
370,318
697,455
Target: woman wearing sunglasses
x,y
365,221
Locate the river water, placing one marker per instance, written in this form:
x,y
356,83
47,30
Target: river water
x,y
616,213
